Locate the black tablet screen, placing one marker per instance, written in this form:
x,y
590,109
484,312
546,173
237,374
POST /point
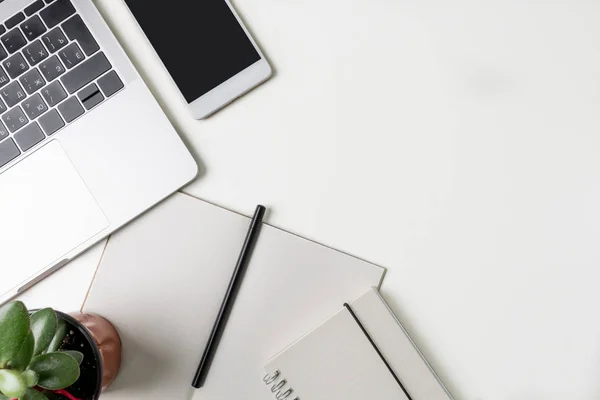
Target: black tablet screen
x,y
200,41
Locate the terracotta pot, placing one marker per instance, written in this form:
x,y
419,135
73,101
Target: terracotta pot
x,y
108,343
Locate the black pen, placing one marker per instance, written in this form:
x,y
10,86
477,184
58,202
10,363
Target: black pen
x,y
236,278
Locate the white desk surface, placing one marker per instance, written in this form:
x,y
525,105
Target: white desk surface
x,y
454,142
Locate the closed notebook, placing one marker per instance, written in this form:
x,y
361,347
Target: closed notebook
x,y
360,353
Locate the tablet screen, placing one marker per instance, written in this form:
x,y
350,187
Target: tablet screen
x,y
200,42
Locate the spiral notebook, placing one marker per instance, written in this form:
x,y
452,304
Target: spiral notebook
x,y
162,279
360,353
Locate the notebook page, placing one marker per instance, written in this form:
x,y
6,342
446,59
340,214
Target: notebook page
x,y
161,282
291,286
336,361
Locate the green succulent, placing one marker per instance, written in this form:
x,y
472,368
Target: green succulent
x,y
32,366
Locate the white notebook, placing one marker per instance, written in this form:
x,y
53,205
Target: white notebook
x,y
161,281
360,353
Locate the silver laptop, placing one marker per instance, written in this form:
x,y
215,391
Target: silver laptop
x,y
84,147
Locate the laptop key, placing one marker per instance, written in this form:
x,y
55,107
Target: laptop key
x,y
110,83
15,65
29,136
3,107
15,119
70,109
12,94
55,40
57,12
52,68
86,72
3,132
35,52
90,96
3,53
33,8
54,93
2,29
13,41
34,106
3,78
71,55
32,81
76,29
15,20
33,28
8,152
51,122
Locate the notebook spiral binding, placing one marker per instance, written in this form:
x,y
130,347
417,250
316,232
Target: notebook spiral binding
x,y
279,386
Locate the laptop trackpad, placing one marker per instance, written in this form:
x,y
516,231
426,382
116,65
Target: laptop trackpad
x,y
46,211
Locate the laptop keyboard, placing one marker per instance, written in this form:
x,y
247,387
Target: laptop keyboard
x,y
52,71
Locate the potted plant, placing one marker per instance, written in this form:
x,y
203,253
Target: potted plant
x,y
48,355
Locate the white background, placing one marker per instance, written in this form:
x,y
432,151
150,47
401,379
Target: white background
x,y
454,142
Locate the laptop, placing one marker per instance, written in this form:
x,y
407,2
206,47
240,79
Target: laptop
x,y
84,146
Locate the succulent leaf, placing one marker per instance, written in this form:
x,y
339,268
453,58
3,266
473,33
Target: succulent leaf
x,y
59,335
21,360
31,378
33,394
14,328
12,383
55,370
43,326
78,356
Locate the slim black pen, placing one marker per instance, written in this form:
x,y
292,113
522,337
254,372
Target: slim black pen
x,y
236,278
